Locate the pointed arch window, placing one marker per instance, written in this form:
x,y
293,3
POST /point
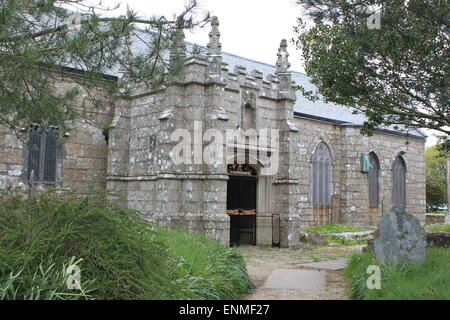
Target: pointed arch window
x,y
374,187
321,175
399,182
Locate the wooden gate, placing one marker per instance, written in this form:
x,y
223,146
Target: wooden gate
x,y
241,205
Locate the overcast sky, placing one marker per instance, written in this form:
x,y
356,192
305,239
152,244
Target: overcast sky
x,y
249,28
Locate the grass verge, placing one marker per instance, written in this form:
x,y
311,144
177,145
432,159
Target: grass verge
x,y
334,228
441,227
429,281
345,242
436,212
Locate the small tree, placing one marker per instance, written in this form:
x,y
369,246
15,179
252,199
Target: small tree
x,y
38,37
436,178
397,74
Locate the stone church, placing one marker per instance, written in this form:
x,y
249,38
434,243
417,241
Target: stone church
x,y
326,171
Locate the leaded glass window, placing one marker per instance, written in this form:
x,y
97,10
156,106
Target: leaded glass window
x,y
374,171
321,175
399,183
42,154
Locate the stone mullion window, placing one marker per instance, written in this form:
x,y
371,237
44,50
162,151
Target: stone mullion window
x,y
315,177
399,183
373,176
321,175
326,182
321,183
49,167
42,154
34,153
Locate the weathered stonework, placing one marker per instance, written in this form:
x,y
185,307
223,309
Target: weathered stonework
x,y
434,219
81,164
136,163
400,239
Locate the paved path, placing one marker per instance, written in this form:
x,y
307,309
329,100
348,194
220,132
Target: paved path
x,y
282,274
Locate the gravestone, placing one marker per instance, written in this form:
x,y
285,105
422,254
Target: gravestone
x,y
400,239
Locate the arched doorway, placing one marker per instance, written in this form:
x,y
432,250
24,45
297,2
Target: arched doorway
x,y
241,203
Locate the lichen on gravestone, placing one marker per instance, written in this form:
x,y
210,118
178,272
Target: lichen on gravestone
x,y
400,239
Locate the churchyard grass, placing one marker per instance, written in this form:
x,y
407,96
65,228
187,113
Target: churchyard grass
x,y
334,228
402,282
439,227
436,212
346,242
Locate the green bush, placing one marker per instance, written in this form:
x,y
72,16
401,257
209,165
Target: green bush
x,y
123,257
402,282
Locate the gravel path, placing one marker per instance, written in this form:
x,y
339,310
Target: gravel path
x,y
283,274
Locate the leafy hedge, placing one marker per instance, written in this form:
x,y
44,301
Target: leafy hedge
x,y
122,256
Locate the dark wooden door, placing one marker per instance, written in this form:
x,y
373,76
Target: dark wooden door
x,y
241,205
